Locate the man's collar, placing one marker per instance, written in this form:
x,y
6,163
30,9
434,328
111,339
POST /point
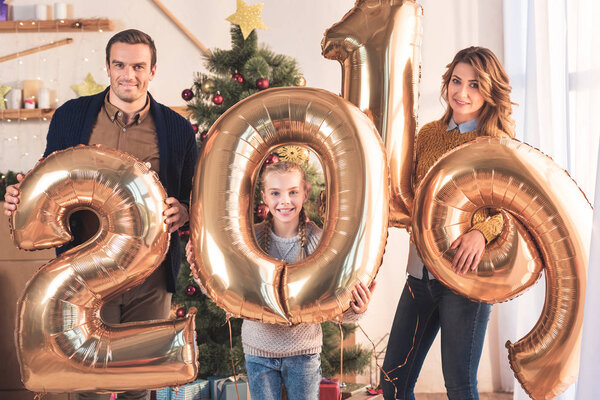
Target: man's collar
x,y
464,127
114,113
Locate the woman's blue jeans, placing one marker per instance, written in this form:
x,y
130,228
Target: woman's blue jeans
x,y
301,375
425,307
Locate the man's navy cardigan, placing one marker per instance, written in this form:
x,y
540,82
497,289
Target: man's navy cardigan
x,y
72,124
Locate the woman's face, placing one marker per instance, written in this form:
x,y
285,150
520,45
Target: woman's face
x,y
463,94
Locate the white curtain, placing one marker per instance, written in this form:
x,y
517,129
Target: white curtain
x,y
552,55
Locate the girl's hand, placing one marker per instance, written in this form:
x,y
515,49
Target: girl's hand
x,y
189,254
361,295
470,247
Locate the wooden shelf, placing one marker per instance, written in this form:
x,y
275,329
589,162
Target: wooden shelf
x,y
24,113
41,113
57,25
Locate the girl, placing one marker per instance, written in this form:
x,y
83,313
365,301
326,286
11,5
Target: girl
x,y
279,353
477,92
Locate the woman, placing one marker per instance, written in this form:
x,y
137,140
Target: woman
x,y
477,92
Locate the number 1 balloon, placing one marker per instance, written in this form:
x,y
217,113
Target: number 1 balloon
x,y
378,44
62,343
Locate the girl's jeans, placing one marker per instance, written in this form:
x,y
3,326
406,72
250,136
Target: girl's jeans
x,y
300,374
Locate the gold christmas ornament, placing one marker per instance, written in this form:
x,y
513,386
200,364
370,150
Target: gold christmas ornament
x,y
88,87
547,211
296,154
239,276
62,343
300,81
247,17
208,86
3,91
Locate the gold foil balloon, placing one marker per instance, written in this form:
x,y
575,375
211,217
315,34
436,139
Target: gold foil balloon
x,y
378,44
62,343
235,272
512,176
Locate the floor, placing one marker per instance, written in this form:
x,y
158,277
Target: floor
x,y
440,396
482,396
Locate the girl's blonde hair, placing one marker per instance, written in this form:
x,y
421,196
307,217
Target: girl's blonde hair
x,y
494,118
280,168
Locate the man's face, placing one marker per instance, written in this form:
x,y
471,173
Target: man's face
x,y
129,70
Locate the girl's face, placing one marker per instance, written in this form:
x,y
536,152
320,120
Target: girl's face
x,y
284,194
463,94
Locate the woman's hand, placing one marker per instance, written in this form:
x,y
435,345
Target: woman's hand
x,y
362,296
470,248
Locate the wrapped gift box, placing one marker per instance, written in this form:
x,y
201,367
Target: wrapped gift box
x,y
197,390
224,389
329,390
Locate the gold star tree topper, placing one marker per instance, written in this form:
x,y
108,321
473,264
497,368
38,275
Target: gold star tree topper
x,y
88,87
247,17
3,90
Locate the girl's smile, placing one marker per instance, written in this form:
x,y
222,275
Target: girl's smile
x,y
284,194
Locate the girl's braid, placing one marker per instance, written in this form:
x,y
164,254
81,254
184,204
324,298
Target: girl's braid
x,y
267,236
302,234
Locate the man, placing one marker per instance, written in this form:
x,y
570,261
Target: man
x,y
127,118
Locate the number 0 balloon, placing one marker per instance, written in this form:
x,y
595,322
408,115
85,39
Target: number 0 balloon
x,y
235,272
62,343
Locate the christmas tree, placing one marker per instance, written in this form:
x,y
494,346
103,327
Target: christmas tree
x,y
235,75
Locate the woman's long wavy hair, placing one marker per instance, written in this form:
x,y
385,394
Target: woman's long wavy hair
x,y
282,167
494,118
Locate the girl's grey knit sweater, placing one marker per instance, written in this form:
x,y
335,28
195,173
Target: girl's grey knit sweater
x,y
276,341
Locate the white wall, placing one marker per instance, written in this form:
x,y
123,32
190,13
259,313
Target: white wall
x,y
295,28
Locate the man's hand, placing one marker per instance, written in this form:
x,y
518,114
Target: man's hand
x,y
177,214
470,249
11,197
189,253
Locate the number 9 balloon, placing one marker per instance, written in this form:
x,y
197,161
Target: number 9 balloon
x,y
62,343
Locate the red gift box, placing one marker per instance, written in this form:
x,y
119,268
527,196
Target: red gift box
x,y
329,391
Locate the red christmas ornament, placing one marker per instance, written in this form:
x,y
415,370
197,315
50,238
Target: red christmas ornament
x,y
203,135
271,159
190,290
180,312
238,77
262,83
195,128
187,94
217,99
262,211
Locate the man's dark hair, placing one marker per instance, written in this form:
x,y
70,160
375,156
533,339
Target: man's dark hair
x,y
132,36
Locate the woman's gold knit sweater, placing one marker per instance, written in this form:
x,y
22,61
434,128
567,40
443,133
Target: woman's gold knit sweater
x,y
433,141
